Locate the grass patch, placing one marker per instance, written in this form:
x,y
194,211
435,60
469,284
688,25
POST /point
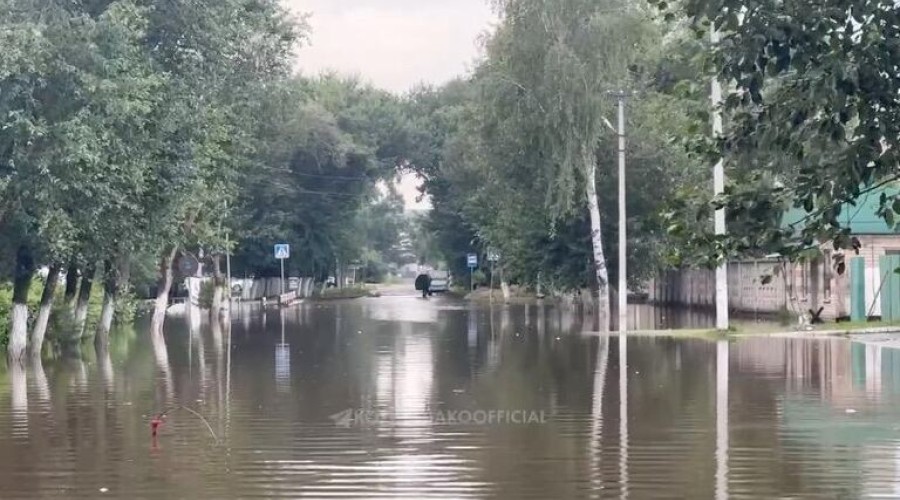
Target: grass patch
x,y
61,320
351,292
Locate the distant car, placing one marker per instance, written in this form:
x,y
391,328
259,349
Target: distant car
x,y
440,282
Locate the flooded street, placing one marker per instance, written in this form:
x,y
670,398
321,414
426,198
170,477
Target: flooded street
x,y
401,397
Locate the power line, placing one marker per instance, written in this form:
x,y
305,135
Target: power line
x,y
322,176
302,191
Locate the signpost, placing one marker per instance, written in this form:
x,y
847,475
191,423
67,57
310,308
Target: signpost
x,y
493,257
282,253
472,261
188,265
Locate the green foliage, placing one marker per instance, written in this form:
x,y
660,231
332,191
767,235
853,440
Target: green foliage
x,y
328,144
351,292
509,148
207,290
6,298
126,126
808,89
546,81
60,320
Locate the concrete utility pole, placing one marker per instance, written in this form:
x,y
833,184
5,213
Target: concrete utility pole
x,y
719,188
623,216
228,262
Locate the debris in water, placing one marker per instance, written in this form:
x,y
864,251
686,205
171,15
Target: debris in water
x,y
159,419
458,391
850,411
104,490
155,423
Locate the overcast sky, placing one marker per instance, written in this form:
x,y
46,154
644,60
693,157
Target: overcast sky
x,y
394,44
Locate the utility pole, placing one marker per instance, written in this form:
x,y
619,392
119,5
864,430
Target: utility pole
x,y
623,216
492,282
623,222
228,261
719,188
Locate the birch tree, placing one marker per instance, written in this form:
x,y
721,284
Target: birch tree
x,y
552,64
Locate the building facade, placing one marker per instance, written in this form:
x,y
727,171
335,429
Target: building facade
x,y
775,286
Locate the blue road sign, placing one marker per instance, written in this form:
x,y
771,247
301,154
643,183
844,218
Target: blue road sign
x,y
472,260
282,251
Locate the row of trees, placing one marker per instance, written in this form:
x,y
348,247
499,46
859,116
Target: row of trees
x,y
332,148
124,125
525,160
137,132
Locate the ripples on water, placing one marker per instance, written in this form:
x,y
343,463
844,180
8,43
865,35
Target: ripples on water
x,y
755,418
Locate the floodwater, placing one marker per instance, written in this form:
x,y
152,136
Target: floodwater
x,y
402,397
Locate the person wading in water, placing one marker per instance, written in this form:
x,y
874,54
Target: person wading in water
x,y
423,283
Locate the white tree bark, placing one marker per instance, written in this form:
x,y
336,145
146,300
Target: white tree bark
x,y
217,310
116,279
43,317
162,291
602,273
84,297
106,319
18,335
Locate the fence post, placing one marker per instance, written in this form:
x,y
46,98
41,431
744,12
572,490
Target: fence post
x,y
858,289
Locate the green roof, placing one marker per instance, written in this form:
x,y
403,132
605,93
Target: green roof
x,y
861,218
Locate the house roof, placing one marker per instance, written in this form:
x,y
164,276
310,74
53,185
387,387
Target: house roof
x,y
861,218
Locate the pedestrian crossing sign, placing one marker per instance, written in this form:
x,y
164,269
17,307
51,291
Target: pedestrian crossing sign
x,y
282,251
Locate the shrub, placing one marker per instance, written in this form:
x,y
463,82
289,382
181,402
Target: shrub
x,y
351,292
207,289
6,297
61,320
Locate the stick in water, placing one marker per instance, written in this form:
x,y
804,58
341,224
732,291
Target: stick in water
x,y
155,423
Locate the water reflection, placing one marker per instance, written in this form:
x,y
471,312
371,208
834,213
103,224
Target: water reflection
x,y
164,371
722,373
623,414
283,360
18,388
403,385
105,369
42,387
472,327
755,418
596,441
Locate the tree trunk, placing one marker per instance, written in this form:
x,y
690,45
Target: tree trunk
x,y
43,317
215,311
71,286
116,277
504,285
163,287
84,297
602,274
18,334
